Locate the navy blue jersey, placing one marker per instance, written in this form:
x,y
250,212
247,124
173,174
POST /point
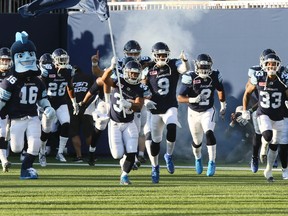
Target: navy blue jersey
x,y
21,95
192,85
271,95
162,83
56,83
129,92
284,78
3,75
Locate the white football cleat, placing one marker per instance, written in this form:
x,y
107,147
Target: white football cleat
x,y
60,157
285,173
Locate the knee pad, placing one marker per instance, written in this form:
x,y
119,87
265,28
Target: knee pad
x,y
44,136
155,149
273,147
171,132
196,146
130,157
210,138
267,135
3,143
129,162
65,129
148,136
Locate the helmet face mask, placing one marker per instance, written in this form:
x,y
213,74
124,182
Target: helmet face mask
x,y
6,62
60,57
160,54
132,49
271,64
263,54
203,65
132,72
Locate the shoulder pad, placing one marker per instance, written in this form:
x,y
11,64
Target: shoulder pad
x,y
186,79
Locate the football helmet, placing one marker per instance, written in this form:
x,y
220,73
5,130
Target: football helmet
x,y
45,59
203,65
271,64
132,72
263,54
5,59
60,57
132,49
160,53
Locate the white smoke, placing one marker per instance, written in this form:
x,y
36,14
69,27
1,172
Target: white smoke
x,y
165,26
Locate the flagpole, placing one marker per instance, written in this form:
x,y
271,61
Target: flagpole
x,y
117,70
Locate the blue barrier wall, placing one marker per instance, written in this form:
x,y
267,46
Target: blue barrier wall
x,y
48,31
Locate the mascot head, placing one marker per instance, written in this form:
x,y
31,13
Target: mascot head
x,y
23,52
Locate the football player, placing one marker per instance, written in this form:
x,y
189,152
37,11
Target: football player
x,y
254,164
133,49
57,76
123,132
6,64
197,89
162,77
272,94
20,93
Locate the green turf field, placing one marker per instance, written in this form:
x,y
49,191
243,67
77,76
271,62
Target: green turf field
x,y
84,190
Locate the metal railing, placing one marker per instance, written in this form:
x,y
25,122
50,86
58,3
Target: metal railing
x,y
11,6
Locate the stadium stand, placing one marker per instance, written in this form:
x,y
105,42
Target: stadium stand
x,y
10,6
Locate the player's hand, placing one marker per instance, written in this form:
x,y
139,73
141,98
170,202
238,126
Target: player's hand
x,y
223,106
75,107
183,56
125,104
113,63
286,104
49,112
241,121
95,59
246,115
150,104
196,99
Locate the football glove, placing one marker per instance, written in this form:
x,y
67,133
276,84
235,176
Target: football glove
x,y
150,104
125,104
246,115
197,99
223,106
49,112
113,63
75,106
286,104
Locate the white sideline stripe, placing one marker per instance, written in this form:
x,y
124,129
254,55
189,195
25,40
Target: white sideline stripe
x,y
147,166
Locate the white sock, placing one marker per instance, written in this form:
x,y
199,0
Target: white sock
x,y
170,147
141,153
153,160
43,147
197,152
3,157
92,149
271,157
212,152
62,144
124,174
